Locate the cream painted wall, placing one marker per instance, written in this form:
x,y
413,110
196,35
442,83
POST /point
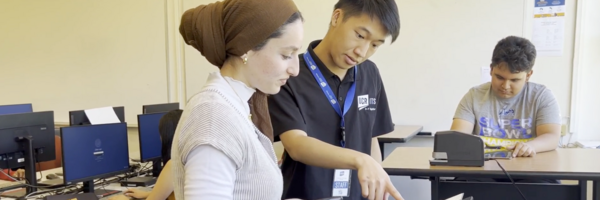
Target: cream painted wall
x,y
67,55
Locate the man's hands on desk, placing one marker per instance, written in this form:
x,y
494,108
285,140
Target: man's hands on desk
x,y
374,181
521,149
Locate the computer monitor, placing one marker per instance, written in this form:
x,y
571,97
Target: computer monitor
x,y
160,108
78,117
94,151
26,139
150,143
15,109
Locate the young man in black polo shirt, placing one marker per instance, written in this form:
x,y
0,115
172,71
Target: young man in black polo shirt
x,y
306,113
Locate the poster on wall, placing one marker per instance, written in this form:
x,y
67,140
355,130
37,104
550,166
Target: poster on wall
x,y
549,27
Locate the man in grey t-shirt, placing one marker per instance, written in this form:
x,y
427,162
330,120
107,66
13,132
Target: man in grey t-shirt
x,y
510,111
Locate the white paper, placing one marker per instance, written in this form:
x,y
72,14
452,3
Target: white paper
x,y
549,27
485,74
457,197
104,115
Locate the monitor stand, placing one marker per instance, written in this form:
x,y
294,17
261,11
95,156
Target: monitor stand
x,y
88,187
27,144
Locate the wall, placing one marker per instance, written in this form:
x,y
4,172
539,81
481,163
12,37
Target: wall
x,y
70,55
586,73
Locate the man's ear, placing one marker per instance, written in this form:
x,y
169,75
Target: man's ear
x,y
529,75
337,17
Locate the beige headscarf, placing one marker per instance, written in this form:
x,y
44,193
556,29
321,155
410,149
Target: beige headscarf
x,y
232,28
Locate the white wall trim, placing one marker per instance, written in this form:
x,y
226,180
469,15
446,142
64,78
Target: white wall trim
x,y
577,53
527,19
175,54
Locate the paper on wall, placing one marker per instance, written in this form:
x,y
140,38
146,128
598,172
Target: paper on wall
x,y
485,74
549,27
104,115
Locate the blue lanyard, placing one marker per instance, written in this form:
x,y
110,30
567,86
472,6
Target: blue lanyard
x,y
329,93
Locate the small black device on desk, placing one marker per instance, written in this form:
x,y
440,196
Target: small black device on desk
x,y
452,148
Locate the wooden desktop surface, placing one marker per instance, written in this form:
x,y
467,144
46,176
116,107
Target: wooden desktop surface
x,y
401,133
565,163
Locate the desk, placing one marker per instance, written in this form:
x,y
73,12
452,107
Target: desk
x,y
113,186
562,164
401,134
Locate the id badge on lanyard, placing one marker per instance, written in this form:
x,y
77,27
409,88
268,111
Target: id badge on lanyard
x,y
342,177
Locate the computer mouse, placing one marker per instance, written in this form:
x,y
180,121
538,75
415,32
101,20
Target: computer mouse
x,y
51,176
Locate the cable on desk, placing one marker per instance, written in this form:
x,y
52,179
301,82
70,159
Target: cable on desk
x,y
103,183
41,192
511,180
17,180
37,167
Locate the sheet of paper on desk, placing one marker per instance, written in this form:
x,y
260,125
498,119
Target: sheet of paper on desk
x,y
104,115
457,197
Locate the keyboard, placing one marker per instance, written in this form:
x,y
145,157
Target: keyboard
x,y
12,185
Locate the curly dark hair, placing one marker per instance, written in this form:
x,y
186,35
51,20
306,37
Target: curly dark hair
x,y
516,52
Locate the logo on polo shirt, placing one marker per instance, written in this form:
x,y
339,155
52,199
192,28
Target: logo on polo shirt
x,y
364,101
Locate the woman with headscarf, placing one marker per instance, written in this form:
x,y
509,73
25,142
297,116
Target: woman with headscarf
x,y
223,144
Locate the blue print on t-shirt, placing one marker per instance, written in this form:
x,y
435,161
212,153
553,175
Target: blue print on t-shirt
x,y
508,128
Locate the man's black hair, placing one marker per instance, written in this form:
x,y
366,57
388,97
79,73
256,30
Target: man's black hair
x,y
384,10
517,53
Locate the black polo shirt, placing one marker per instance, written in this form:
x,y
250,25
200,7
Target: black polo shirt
x,y
301,104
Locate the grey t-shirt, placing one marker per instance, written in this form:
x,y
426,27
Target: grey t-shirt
x,y
502,122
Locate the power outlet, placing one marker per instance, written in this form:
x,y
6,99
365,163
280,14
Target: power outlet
x,y
564,130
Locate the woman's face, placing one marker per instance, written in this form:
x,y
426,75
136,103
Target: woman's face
x,y
271,66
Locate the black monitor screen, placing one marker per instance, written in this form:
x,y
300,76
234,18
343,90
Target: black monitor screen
x,y
37,125
94,151
160,108
150,144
